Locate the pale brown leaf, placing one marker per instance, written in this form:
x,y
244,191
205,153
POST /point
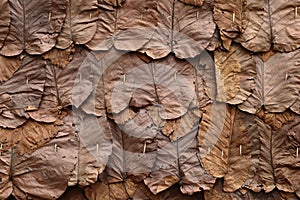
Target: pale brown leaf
x,y
34,26
235,74
193,2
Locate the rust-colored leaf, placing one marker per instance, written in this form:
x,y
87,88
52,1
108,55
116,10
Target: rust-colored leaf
x,y
4,21
28,137
279,73
235,73
22,92
9,65
34,26
176,30
128,27
80,24
60,58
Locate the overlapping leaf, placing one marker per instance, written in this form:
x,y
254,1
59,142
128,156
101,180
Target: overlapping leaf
x,y
235,73
64,87
128,27
178,162
182,29
22,92
60,58
80,24
277,74
272,24
4,21
112,2
133,151
95,147
168,82
34,26
47,169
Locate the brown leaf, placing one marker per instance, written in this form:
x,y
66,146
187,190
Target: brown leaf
x,y
271,24
111,191
235,73
279,73
214,135
113,2
9,65
133,151
128,27
176,30
22,92
80,24
48,168
28,137
64,87
34,26
4,21
73,193
230,17
95,147
193,2
276,120
178,162
60,58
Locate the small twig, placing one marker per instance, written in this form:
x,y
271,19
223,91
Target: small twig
x,y
233,17
145,147
240,150
49,17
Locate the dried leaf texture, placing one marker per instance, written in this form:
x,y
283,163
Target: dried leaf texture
x,y
272,24
178,162
128,27
60,58
22,92
28,137
230,17
64,87
168,82
73,193
214,137
80,24
193,2
4,21
182,29
47,169
279,73
113,2
133,151
95,147
34,26
235,75
9,65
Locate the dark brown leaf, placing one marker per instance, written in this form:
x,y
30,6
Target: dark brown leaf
x,y
60,58
34,26
73,193
22,92
279,73
113,2
128,27
182,29
235,74
178,162
4,20
193,2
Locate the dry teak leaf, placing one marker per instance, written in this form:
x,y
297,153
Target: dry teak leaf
x,y
183,29
9,65
277,74
179,162
235,74
128,27
22,92
4,20
60,58
34,26
80,24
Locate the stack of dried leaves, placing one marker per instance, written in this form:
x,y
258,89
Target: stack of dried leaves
x,y
133,99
